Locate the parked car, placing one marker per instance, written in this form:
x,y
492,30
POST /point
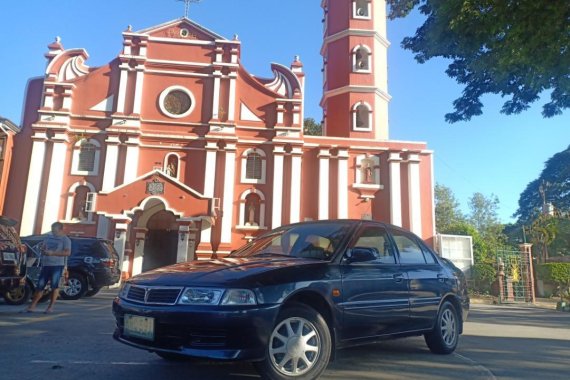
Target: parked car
x,y
93,263
12,259
289,298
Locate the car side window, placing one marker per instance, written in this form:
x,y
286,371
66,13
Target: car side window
x,y
376,238
410,251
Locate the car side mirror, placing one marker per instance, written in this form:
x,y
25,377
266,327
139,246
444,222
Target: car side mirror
x,y
361,254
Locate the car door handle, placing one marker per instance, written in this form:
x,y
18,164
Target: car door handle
x,y
398,277
441,277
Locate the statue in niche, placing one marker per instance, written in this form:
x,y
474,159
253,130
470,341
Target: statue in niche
x,y
172,169
368,172
251,214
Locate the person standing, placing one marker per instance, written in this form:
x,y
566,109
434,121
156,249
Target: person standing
x,y
55,249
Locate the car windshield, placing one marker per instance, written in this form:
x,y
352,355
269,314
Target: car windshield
x,y
317,241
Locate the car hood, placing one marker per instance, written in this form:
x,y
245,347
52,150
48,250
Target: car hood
x,y
226,271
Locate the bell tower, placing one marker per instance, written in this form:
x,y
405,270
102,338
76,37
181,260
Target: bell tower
x,y
355,69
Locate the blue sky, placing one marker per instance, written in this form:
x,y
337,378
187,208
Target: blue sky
x,y
492,153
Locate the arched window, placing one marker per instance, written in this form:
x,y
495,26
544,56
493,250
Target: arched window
x,y
86,157
171,165
361,59
361,9
253,166
362,117
367,171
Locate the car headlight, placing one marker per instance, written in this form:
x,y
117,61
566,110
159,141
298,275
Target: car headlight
x,y
124,290
239,297
213,297
201,296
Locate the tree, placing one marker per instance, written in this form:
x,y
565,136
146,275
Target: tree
x,y
555,182
514,48
483,214
311,127
447,212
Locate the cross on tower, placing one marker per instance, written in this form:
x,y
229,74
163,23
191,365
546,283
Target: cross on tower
x,y
187,6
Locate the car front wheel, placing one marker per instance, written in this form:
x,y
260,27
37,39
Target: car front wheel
x,y
299,346
76,287
19,295
445,334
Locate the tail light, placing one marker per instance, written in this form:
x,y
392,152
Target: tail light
x,y
108,262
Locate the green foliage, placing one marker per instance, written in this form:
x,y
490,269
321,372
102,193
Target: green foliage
x,y
515,48
558,273
484,274
484,218
555,182
447,211
311,127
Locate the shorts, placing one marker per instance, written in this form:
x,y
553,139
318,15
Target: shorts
x,y
52,274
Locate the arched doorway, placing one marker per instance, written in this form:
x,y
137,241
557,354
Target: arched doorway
x,y
161,243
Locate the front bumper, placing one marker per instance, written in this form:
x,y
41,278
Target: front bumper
x,y
12,282
225,333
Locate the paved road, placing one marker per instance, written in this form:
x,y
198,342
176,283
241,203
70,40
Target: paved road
x,y
76,343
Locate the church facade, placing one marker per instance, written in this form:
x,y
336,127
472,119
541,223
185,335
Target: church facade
x,y
175,151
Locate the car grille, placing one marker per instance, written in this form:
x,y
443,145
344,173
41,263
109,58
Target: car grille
x,y
153,295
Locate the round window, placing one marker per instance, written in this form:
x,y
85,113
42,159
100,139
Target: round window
x,y
177,102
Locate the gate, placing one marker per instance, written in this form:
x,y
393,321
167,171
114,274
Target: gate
x,y
514,276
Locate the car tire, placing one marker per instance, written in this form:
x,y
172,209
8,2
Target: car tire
x,y
76,287
300,333
19,295
445,334
92,292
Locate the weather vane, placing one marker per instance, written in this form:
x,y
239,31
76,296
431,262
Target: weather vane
x,y
187,6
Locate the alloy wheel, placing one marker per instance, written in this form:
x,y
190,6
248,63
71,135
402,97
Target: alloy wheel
x,y
448,327
294,346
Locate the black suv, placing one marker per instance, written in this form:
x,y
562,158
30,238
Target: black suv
x,y
93,263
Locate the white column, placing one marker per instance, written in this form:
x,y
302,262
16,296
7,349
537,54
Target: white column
x,y
182,253
232,101
209,182
216,97
110,173
277,198
414,194
54,187
139,251
324,156
122,88
138,90
228,206
342,205
33,188
119,244
395,189
131,163
296,160
102,227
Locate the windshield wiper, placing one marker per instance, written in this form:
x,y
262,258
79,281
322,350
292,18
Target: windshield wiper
x,y
270,254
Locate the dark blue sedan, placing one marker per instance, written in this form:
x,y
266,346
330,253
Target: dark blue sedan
x,y
289,298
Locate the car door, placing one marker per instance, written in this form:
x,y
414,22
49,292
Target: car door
x,y
374,288
426,279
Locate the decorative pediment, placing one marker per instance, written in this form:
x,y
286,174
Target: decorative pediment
x,y
182,28
132,196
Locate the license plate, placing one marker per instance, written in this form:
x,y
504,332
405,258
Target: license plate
x,y
139,327
9,256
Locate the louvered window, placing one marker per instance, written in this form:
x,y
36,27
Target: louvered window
x,y
87,157
253,166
